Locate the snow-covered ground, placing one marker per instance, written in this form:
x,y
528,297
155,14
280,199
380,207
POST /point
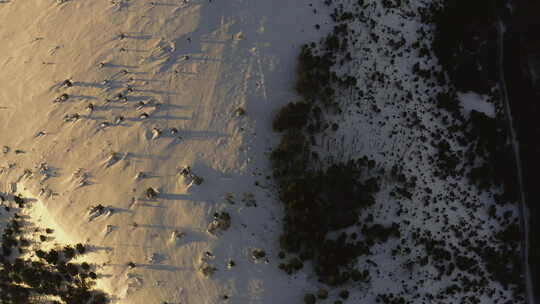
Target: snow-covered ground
x,y
156,86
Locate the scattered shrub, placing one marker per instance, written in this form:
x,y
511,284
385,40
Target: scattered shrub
x,y
151,193
309,298
197,180
81,249
322,294
344,294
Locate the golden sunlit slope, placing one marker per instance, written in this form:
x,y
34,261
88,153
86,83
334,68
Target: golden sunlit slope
x,y
152,88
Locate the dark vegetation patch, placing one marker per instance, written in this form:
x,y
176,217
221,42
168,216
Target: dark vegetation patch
x,y
466,43
323,198
521,50
467,50
320,199
28,273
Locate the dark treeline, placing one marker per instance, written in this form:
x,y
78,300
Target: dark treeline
x,y
522,45
29,274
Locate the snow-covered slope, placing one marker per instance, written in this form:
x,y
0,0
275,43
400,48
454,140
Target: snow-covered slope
x,y
192,64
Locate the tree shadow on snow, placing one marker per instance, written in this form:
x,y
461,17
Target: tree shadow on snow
x,y
175,196
161,267
165,4
200,135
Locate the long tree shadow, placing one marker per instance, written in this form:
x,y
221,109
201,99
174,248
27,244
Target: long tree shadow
x,y
162,267
146,203
169,117
117,210
135,50
203,58
82,97
120,66
161,227
88,84
150,175
137,73
94,248
137,36
148,80
200,135
108,107
169,106
132,155
102,276
92,117
165,4
186,73
175,196
127,245
156,92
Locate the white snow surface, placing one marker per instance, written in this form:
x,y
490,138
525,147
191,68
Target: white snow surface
x,y
474,101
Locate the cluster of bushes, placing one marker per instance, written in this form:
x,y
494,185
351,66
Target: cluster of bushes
x,y
24,279
318,198
316,203
322,294
390,298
